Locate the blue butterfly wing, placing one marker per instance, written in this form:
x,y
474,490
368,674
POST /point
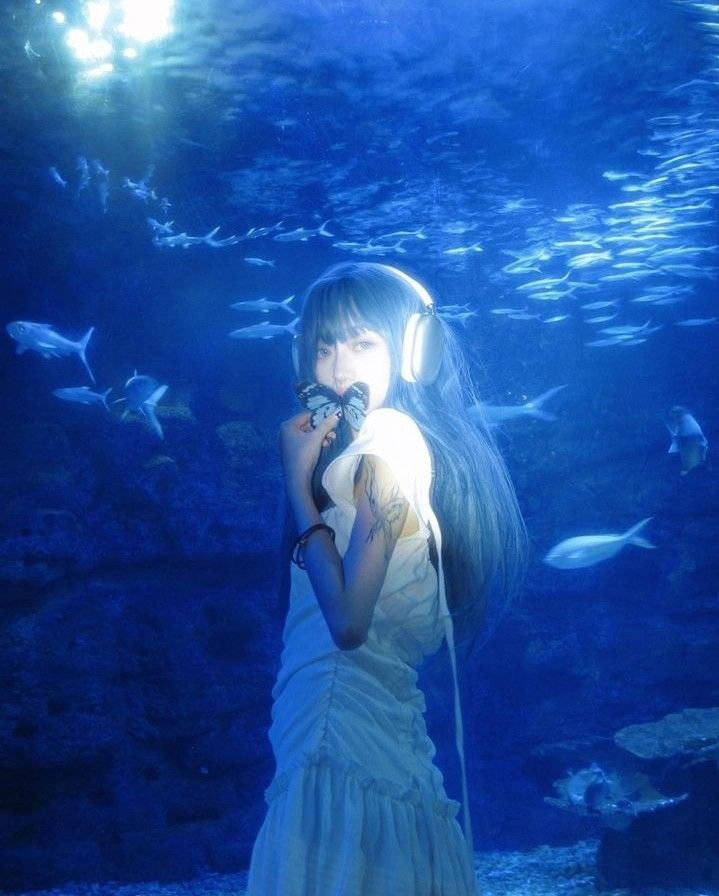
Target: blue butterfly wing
x,y
354,404
320,401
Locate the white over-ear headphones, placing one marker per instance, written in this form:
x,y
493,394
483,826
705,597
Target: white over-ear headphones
x,y
422,343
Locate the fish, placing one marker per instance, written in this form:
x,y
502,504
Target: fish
x,y
161,228
84,170
589,258
45,340
696,321
586,550
83,395
185,240
57,177
461,250
265,330
302,234
601,318
545,283
140,188
625,339
495,415
260,262
264,305
401,234
688,440
629,329
254,232
141,396
99,170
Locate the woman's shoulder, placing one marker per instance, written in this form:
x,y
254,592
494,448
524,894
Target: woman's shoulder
x,y
390,420
392,434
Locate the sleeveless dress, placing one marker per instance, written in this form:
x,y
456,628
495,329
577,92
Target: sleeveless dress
x,y
357,806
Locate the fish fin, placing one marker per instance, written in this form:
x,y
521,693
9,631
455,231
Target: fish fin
x,y
155,397
673,448
148,411
540,415
631,535
81,351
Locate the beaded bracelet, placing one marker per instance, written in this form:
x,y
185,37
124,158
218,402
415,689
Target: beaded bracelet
x,y
301,542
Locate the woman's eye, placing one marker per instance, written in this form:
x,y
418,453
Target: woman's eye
x,y
363,345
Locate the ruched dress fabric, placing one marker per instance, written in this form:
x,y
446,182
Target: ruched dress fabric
x,y
357,806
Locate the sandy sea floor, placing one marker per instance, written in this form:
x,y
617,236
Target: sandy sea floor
x,y
543,871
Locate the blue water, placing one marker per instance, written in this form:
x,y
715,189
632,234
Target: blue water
x,y
525,160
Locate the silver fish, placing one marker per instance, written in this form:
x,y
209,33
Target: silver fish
x,y
44,339
260,262
696,321
495,415
83,395
142,394
57,177
688,440
586,550
264,305
265,330
302,234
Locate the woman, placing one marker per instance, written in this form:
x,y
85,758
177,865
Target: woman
x,y
357,806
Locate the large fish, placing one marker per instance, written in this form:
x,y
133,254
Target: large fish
x,y
83,395
496,415
586,550
141,395
44,339
688,440
265,330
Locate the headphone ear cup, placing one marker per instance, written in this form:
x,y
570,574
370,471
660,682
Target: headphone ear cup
x,y
422,349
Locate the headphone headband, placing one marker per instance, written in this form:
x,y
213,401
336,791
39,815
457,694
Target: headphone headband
x,y
421,291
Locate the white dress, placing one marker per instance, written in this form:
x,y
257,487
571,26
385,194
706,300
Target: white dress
x,y
357,807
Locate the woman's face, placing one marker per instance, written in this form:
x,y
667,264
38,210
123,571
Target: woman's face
x,y
363,358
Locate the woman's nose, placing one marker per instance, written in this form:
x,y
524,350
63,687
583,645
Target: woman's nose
x,y
342,371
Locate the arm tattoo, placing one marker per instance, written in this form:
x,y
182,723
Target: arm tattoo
x,y
386,505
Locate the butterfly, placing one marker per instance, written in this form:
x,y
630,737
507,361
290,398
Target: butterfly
x,y
322,402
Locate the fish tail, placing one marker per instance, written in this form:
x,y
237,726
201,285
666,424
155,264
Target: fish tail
x,y
534,407
323,228
148,409
104,398
642,543
632,537
81,351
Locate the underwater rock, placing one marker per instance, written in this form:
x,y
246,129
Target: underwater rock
x,y
692,733
243,440
675,851
614,798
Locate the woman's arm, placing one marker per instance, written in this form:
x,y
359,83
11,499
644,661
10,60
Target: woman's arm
x,y
346,588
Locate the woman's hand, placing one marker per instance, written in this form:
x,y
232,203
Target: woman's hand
x,y
300,447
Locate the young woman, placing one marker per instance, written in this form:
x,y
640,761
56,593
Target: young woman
x,y
407,524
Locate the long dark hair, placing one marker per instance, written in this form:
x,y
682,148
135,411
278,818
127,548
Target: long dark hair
x,y
483,534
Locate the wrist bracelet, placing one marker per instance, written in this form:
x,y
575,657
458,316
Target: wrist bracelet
x,y
301,542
